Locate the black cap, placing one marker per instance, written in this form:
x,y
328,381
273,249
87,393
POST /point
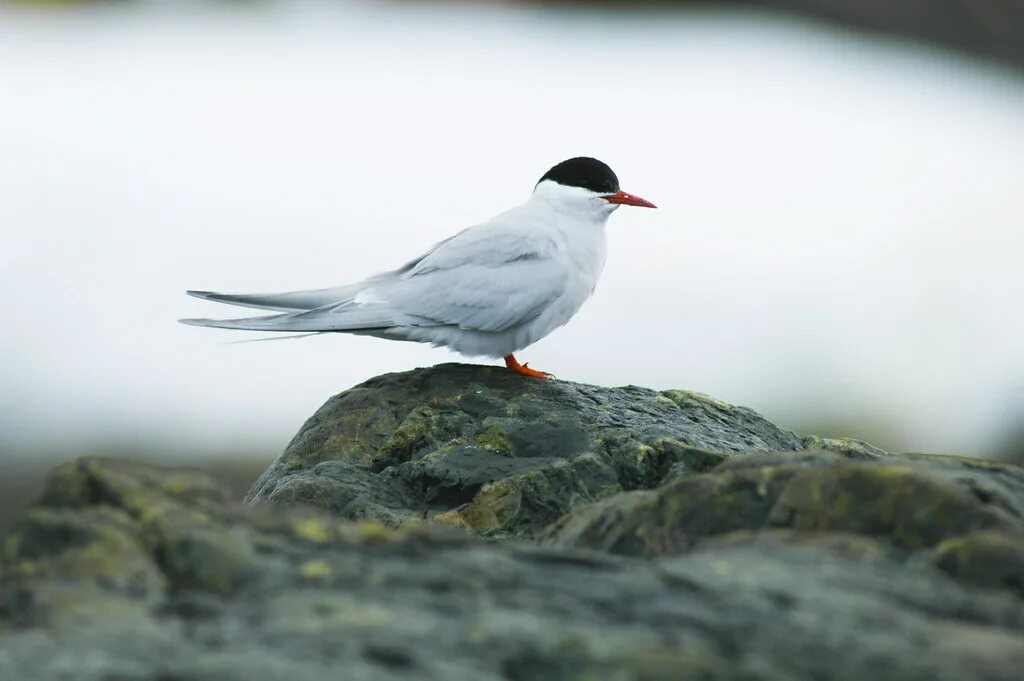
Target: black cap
x,y
585,172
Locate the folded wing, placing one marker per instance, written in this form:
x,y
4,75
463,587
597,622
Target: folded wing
x,y
478,280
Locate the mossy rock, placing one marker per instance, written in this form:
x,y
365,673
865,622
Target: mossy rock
x,y
990,559
668,535
185,587
498,453
716,557
910,503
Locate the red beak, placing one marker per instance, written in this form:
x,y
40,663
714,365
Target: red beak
x,y
628,199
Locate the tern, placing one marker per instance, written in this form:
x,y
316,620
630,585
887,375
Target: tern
x,y
490,290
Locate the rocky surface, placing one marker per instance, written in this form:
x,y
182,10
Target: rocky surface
x,y
462,523
479,447
911,503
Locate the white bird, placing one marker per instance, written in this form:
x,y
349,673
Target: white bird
x,y
492,289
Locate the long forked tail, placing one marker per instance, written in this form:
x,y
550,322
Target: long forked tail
x,y
283,302
345,316
276,338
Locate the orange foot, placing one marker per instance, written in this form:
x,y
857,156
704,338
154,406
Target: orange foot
x,y
524,369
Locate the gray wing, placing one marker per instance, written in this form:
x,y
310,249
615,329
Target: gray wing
x,y
481,297
480,280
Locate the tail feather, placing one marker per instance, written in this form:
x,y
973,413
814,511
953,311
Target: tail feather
x,y
345,317
276,338
283,302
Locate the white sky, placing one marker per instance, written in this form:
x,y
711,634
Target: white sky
x,y
839,233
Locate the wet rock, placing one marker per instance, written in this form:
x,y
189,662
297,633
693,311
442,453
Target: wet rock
x,y
479,447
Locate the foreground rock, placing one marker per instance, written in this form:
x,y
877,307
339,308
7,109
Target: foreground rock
x,y
127,572
656,536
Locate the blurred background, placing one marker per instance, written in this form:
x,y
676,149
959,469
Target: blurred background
x,y
838,245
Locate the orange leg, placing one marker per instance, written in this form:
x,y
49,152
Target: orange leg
x,y
524,369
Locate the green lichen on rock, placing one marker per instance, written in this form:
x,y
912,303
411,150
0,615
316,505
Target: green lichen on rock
x,y
463,523
100,545
988,559
906,504
449,440
847,447
901,501
223,591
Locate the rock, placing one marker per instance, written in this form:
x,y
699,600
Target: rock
x,y
131,572
481,448
464,523
988,559
911,503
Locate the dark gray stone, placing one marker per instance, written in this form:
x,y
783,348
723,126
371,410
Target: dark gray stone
x,y
910,503
672,536
115,576
503,455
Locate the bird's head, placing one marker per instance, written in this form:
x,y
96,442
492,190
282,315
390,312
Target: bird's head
x,y
585,185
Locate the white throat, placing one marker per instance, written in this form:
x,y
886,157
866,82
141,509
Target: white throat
x,y
582,204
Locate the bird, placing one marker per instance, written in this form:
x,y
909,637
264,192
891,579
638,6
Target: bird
x,y
490,290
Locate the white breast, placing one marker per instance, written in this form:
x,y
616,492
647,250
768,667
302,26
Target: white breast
x,y
581,251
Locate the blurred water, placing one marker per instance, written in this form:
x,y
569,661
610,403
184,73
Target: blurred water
x,y
838,239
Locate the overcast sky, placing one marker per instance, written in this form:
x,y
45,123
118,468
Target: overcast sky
x,y
838,236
